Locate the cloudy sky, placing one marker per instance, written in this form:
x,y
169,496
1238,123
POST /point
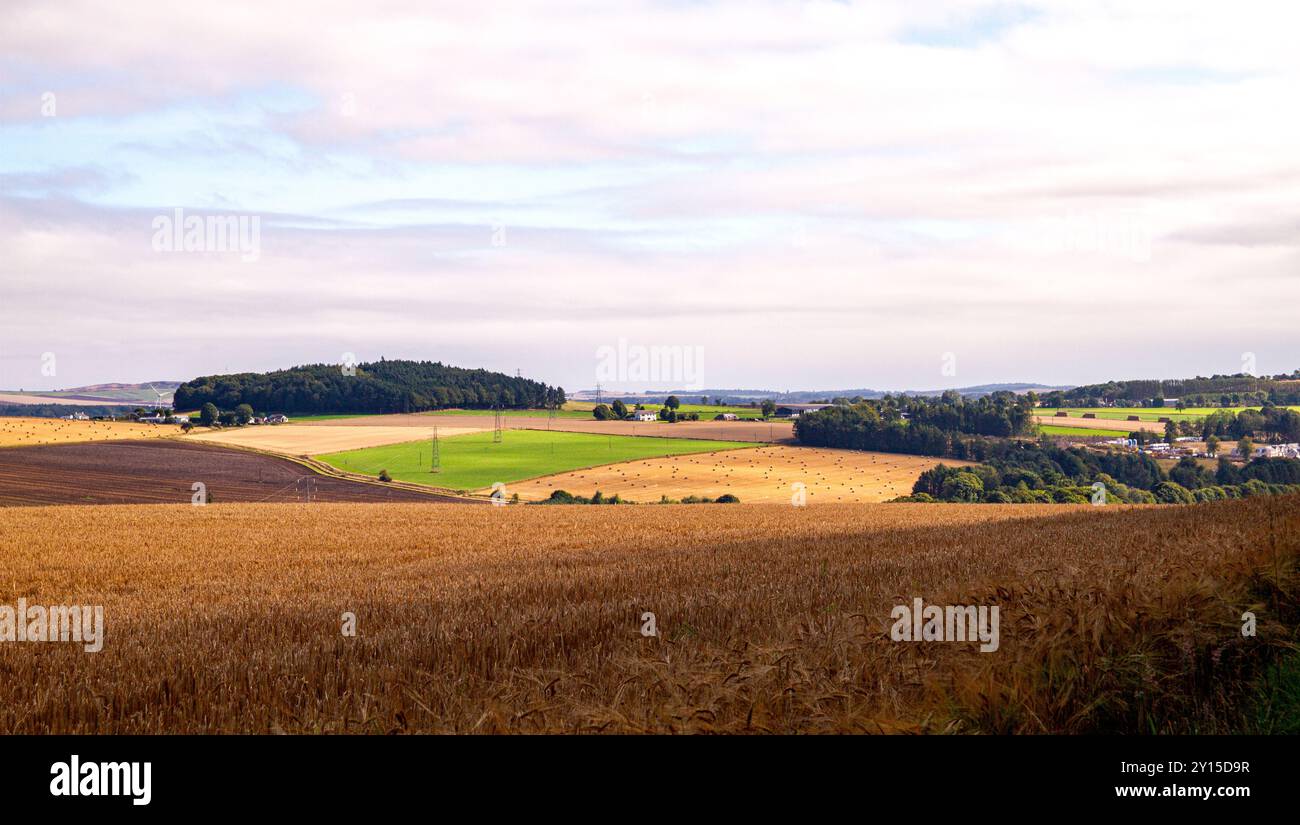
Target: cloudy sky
x,y
804,195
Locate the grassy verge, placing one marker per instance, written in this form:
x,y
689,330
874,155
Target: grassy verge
x,y
1275,705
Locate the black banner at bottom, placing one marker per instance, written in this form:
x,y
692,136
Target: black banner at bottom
x,y
141,776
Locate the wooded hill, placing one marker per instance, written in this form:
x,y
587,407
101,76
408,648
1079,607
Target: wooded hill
x,y
379,387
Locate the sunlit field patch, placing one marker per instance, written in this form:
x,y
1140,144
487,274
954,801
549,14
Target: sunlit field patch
x,y
471,462
26,432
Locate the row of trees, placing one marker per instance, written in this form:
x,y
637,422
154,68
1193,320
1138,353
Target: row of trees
x,y
1070,477
238,417
380,387
1241,389
918,425
1270,423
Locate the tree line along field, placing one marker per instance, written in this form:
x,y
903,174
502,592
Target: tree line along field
x,y
1144,413
769,619
760,475
475,461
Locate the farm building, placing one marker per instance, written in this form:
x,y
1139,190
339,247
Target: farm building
x,y
1278,451
727,417
643,415
795,410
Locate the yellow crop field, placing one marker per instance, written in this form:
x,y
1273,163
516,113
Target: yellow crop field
x,y
315,439
763,474
1100,423
25,432
769,618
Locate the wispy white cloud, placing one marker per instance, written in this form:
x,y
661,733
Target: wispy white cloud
x,y
878,182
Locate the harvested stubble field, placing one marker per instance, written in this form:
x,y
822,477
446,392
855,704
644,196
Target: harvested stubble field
x,y
759,475
67,400
771,431
27,432
327,437
164,471
1100,424
522,619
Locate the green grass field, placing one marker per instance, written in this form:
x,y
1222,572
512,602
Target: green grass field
x,y
474,462
1050,429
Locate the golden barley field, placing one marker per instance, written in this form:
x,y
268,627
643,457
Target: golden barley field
x,y
760,475
770,618
26,432
318,438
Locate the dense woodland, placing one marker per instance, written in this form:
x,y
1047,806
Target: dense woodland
x,y
918,425
380,387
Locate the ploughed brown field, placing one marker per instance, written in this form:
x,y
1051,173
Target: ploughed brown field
x,y
758,475
164,471
770,618
774,431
